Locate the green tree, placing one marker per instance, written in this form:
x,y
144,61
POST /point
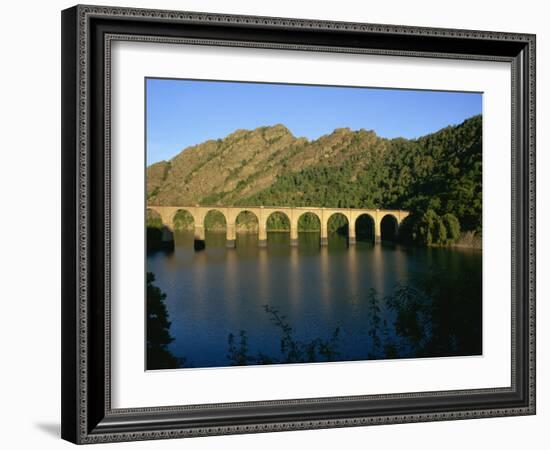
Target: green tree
x,y
452,225
431,229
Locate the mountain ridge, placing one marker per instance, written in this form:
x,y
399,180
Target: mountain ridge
x,y
178,180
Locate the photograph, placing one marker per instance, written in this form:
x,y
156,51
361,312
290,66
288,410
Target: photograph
x,y
310,224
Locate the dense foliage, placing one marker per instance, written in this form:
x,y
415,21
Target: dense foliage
x,y
158,330
437,178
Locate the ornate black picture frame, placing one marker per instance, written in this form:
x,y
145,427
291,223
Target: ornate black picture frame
x,y
87,414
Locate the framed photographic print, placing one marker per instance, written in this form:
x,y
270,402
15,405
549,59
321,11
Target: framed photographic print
x,y
278,224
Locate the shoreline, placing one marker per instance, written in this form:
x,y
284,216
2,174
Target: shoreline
x,y
467,240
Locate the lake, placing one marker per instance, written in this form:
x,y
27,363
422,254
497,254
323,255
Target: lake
x,y
283,304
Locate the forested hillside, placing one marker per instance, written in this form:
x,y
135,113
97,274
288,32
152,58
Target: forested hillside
x,y
437,177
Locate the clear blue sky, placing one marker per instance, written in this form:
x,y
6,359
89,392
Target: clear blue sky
x,y
181,113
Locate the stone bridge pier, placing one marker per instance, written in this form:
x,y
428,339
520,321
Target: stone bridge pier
x,y
262,214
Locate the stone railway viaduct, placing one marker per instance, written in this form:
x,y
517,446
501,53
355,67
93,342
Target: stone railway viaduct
x,y
262,213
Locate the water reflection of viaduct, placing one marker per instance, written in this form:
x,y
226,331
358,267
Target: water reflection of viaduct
x,y
387,219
